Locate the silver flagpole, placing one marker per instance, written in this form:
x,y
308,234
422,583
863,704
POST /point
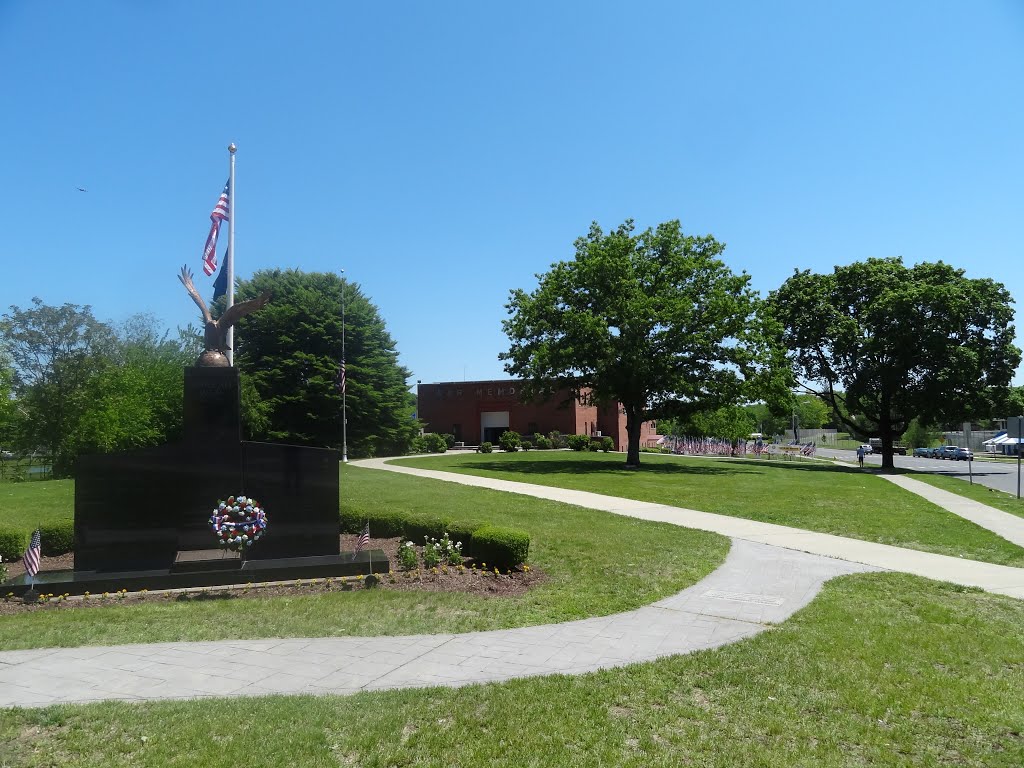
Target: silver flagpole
x,y
344,388
230,266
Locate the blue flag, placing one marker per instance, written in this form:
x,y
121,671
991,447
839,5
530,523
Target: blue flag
x,y
220,285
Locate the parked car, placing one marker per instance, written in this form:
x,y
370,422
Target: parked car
x,y
945,452
6,455
924,453
867,449
963,454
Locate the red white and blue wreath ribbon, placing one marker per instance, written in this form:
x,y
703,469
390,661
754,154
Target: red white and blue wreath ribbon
x,y
238,522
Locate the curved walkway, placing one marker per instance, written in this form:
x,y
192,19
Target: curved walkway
x,y
770,572
970,573
756,586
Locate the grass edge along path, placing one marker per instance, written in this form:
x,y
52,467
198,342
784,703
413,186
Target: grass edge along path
x,y
813,496
1005,502
880,669
597,564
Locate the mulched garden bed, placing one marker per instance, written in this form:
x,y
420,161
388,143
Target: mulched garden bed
x,y
467,580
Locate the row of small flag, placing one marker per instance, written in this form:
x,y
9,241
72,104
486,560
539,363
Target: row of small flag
x,y
716,446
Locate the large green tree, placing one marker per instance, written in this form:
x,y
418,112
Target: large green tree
x,y
134,396
655,321
54,351
289,352
889,343
8,404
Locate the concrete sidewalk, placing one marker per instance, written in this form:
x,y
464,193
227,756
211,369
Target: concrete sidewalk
x,y
770,572
1010,527
992,578
756,586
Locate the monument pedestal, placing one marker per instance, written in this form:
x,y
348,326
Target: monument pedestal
x,y
136,511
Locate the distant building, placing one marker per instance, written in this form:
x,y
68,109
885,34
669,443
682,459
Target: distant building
x,y
479,411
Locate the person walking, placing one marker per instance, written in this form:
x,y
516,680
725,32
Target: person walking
x,y
860,456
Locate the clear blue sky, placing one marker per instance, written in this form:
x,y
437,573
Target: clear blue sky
x,y
444,153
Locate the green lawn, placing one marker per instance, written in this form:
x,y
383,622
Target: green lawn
x,y
597,564
816,496
28,505
880,670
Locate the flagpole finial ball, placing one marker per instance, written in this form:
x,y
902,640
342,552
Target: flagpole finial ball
x,y
232,147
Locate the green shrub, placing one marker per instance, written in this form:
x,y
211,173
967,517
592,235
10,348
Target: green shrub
x,y
527,445
463,531
540,441
435,443
12,544
486,447
509,441
449,440
431,555
503,548
418,527
57,538
556,439
418,444
407,558
579,442
384,523
607,444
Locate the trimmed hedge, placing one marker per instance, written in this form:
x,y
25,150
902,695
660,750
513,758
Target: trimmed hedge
x,y
419,526
500,547
384,524
12,544
57,538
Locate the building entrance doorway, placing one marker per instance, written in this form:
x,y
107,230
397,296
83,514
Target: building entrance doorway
x,y
492,424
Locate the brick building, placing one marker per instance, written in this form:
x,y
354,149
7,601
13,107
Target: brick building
x,y
479,411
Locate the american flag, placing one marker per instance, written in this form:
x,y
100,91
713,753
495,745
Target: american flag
x,y
31,558
363,540
220,213
341,377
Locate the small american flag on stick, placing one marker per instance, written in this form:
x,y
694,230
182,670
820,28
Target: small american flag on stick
x,y
220,213
363,540
31,558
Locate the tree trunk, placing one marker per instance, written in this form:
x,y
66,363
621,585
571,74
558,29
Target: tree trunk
x,y
633,423
885,432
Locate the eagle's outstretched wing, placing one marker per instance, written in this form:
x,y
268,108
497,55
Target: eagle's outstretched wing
x,y
186,280
237,311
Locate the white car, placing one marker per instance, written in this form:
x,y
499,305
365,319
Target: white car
x,y
867,449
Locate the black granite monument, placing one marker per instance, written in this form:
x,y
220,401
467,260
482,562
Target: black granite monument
x,y
142,517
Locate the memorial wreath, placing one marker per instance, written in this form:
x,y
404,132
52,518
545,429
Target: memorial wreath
x,y
238,522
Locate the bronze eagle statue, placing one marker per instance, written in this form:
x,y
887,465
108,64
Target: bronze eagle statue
x,y
215,331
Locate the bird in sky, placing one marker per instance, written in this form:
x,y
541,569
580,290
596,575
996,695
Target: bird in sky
x,y
80,189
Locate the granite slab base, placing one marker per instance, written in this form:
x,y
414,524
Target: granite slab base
x,y
183,575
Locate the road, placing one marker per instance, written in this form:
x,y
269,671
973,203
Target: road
x,y
1001,475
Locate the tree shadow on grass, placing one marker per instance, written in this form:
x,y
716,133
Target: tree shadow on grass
x,y
800,466
583,467
663,468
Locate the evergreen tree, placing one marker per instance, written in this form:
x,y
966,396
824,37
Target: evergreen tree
x,y
289,353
